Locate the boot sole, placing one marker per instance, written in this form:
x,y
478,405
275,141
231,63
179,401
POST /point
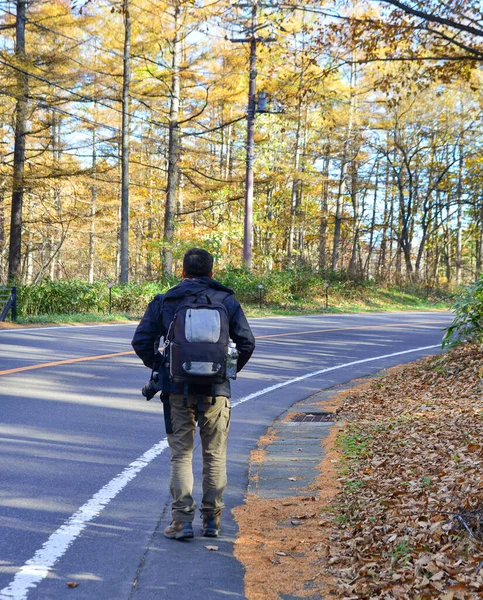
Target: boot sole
x,y
210,533
182,535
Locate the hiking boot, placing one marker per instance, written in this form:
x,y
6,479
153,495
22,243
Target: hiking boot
x,y
178,530
211,525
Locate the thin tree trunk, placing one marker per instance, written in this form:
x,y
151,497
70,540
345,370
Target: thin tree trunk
x,y
250,144
479,255
324,207
30,263
173,147
15,247
57,244
448,242
353,269
295,184
343,169
126,76
229,147
373,226
2,232
338,213
459,224
93,211
118,244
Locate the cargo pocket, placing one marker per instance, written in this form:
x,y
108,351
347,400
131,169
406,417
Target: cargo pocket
x,y
227,411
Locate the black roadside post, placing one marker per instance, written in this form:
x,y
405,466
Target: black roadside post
x,y
8,302
326,296
14,303
260,294
110,286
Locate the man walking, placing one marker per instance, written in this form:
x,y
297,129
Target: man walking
x,y
186,397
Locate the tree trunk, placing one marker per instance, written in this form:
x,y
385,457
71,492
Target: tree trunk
x,y
126,76
93,211
324,207
250,147
479,254
459,223
57,199
448,252
2,232
15,247
295,184
173,147
338,213
348,146
353,268
373,225
229,148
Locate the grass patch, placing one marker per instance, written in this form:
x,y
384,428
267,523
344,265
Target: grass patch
x,y
76,318
354,442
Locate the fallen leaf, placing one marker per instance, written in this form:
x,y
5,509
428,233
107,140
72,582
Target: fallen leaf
x,y
72,584
437,576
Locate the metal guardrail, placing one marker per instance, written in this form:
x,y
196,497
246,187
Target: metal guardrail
x,y
8,302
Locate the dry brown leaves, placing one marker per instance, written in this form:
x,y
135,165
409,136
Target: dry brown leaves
x,y
283,542
409,521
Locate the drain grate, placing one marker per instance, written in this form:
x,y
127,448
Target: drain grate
x,y
314,417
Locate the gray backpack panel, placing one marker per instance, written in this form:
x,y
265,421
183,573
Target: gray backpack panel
x,y
199,336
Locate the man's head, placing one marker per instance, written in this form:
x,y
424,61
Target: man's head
x,y
197,263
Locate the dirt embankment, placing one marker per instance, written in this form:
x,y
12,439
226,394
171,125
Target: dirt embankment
x,y
400,509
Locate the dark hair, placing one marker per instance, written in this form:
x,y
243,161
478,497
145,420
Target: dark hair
x,y
197,263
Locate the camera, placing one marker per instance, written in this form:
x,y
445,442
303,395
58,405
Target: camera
x,y
152,387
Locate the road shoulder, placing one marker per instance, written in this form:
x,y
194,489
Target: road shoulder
x,y
397,509
282,540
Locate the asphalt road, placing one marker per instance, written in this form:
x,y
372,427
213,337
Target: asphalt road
x,y
84,468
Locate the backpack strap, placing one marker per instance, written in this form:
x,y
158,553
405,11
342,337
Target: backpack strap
x,y
212,293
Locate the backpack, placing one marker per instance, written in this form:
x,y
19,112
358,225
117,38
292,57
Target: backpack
x,y
198,339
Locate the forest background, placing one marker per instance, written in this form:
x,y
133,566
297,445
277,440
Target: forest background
x,y
132,120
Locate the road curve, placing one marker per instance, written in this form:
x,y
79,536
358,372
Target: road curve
x,y
83,459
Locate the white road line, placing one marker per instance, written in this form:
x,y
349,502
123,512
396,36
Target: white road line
x,y
315,373
38,567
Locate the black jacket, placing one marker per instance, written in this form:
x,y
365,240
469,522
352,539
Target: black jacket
x,y
160,313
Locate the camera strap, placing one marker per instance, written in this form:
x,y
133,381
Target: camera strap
x,y
167,412
165,400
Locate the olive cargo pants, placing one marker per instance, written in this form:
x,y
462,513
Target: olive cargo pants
x,y
214,435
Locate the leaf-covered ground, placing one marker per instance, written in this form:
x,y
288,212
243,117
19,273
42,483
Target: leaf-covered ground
x,y
409,519
402,514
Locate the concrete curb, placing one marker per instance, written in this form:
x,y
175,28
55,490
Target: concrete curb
x,y
290,464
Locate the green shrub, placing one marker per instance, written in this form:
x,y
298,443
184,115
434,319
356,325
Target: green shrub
x,y
64,296
72,296
290,289
279,287
467,325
